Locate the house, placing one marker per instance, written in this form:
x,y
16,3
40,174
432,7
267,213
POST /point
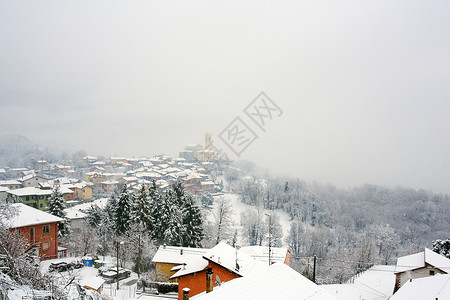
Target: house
x,y
32,180
434,287
89,159
67,193
110,186
31,196
226,263
118,160
82,190
38,228
11,184
422,264
277,281
61,169
207,186
96,178
168,257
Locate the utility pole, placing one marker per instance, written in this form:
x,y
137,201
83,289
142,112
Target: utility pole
x,y
307,270
117,278
270,240
314,269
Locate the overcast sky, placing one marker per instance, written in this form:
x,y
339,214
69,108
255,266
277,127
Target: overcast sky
x,y
364,86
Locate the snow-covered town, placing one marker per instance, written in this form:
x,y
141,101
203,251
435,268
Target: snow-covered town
x,y
238,150
179,228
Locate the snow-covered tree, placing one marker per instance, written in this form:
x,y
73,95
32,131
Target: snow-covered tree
x,y
56,206
275,230
442,247
177,218
141,211
253,226
222,213
93,216
192,223
123,211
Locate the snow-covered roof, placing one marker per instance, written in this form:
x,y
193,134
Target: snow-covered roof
x,y
419,260
177,255
433,287
92,282
196,264
376,283
65,189
193,176
26,215
73,214
110,182
277,281
27,191
4,189
76,212
9,182
207,183
227,257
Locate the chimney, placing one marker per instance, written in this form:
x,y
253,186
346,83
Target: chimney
x,y
181,251
209,280
186,293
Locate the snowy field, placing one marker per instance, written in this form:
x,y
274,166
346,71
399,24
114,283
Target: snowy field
x,y
239,207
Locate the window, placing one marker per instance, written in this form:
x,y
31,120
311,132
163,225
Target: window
x,y
41,197
45,229
41,205
32,234
432,272
45,246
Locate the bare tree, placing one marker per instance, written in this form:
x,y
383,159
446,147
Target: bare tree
x,y
222,219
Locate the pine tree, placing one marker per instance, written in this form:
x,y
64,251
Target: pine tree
x,y
56,207
442,247
192,223
156,211
141,211
123,211
93,216
171,223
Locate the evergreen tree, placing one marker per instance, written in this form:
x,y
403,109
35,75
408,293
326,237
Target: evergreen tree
x,y
177,218
56,205
171,223
442,247
141,211
123,211
156,211
192,223
93,216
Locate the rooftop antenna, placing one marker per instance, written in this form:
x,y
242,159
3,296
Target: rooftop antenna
x,y
218,282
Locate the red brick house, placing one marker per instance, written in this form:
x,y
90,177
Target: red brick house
x,y
38,228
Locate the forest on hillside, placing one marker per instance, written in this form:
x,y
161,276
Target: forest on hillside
x,y
348,230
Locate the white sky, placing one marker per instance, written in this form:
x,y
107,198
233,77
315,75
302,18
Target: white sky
x,y
364,85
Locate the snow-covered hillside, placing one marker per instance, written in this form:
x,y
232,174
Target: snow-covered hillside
x,y
239,207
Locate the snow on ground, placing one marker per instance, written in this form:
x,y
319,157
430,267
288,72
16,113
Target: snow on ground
x,y
239,207
377,283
